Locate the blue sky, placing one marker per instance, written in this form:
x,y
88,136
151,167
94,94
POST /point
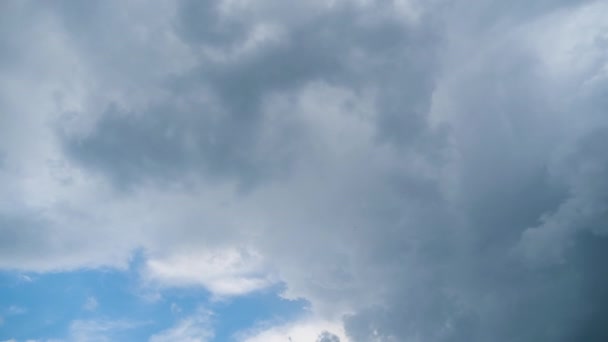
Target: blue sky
x,y
304,171
45,306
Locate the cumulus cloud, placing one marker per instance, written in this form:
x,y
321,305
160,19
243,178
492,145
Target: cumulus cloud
x,y
225,272
419,171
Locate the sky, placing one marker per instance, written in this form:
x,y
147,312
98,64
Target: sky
x,y
303,171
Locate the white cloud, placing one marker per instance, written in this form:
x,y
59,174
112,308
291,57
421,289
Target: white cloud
x,y
25,278
16,310
224,272
195,328
90,304
175,309
304,330
99,330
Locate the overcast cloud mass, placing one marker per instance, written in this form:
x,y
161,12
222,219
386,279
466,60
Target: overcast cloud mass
x,y
419,171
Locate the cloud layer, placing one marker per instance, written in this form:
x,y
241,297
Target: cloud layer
x,y
422,171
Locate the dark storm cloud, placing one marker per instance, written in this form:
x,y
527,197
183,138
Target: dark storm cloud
x,y
510,181
346,47
167,144
202,22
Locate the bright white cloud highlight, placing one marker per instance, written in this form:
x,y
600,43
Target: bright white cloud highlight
x,y
305,330
225,272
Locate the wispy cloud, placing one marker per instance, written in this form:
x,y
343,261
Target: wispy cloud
x,y
99,330
194,328
90,304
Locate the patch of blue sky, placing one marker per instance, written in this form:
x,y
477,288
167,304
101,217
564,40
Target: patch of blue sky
x,y
260,307
43,306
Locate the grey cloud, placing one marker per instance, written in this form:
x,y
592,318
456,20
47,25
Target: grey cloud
x,y
168,145
477,290
346,47
19,232
31,241
202,22
583,170
328,337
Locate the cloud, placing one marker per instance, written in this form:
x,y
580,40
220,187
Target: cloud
x,y
306,329
99,330
16,310
224,272
90,304
195,328
175,309
328,337
419,171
